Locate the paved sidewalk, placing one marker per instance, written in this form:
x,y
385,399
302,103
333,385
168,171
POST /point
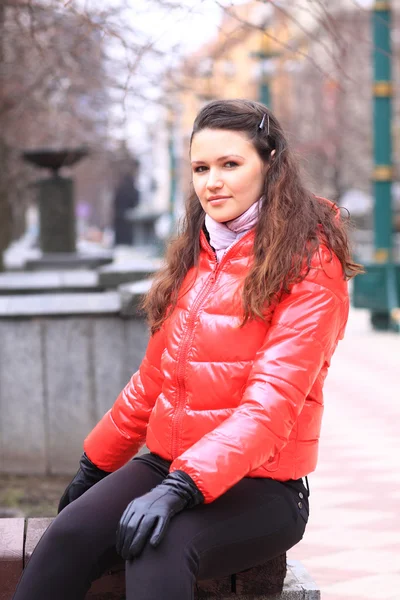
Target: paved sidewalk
x,y
352,544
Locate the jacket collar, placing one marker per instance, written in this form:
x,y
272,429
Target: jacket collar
x,y
242,248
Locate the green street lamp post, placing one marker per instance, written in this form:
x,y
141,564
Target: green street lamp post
x,y
265,92
379,289
382,119
265,55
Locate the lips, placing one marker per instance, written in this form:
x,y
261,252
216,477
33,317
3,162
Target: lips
x,y
212,198
217,200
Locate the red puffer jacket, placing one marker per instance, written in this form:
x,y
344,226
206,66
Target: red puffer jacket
x,y
223,402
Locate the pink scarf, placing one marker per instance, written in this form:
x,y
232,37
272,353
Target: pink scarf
x,y
223,235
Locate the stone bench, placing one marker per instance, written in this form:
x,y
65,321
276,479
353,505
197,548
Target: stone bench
x,y
69,260
46,282
18,538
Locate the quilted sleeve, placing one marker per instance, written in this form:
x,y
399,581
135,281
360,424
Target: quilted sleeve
x,y
304,332
122,431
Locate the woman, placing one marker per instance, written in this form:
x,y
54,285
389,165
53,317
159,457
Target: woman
x,y
244,320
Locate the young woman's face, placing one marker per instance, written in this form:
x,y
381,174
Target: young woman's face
x,y
228,174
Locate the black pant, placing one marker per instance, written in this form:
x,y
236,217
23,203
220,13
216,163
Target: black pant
x,y
251,523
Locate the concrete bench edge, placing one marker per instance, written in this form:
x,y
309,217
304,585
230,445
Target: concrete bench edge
x,y
24,535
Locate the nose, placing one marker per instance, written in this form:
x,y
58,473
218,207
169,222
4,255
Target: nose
x,y
214,181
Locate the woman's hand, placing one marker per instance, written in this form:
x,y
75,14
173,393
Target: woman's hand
x,y
87,475
148,516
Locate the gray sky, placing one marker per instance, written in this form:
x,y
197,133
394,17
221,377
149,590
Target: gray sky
x,y
173,32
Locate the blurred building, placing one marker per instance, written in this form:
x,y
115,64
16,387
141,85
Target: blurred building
x,y
318,59
331,123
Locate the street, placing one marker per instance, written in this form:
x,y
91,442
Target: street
x,y
352,544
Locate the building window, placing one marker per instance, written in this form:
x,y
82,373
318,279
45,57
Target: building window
x,y
229,68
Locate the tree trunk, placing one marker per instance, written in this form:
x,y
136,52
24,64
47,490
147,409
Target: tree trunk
x,y
5,221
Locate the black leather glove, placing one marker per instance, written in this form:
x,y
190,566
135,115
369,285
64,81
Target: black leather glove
x,y
150,514
87,475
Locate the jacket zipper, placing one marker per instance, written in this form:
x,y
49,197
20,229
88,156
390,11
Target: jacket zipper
x,y
183,355
186,343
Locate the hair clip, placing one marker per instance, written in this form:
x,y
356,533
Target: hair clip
x,y
261,125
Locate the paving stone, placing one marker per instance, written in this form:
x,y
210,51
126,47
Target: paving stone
x,y
302,578
35,528
11,555
351,545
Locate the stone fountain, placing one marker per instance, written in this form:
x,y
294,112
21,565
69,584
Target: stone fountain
x,y
55,196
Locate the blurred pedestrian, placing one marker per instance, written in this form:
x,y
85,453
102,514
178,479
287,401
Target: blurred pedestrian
x,y
126,197
244,320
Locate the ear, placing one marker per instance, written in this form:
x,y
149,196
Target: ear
x,y
273,153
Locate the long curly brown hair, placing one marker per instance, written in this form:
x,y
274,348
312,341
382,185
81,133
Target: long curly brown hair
x,y
288,232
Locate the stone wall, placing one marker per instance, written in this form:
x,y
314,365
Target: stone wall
x,y
63,361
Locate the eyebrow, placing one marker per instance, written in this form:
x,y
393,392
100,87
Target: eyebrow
x,y
197,162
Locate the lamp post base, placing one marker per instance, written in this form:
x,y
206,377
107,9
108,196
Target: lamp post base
x,y
379,291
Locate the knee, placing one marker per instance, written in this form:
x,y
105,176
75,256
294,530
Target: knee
x,y
172,557
67,528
